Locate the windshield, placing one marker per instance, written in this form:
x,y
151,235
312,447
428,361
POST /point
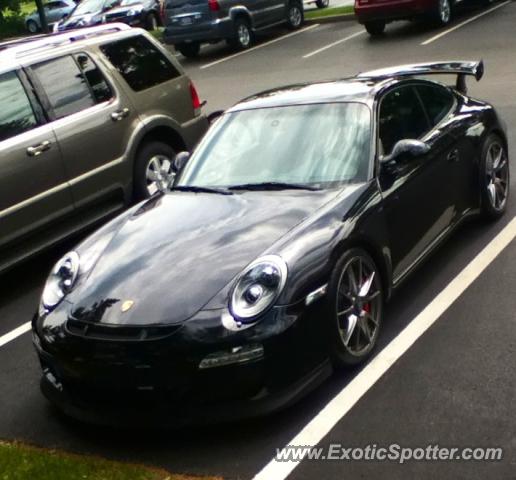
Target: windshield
x,y
317,145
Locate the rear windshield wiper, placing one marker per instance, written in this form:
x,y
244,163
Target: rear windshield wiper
x,y
272,186
196,189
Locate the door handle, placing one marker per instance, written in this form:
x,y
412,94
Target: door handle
x,y
36,150
453,156
120,115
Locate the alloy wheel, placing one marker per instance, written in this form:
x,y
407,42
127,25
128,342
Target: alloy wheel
x,y
497,175
159,174
444,11
359,304
244,36
295,16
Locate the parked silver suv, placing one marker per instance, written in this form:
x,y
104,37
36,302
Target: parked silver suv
x,y
90,121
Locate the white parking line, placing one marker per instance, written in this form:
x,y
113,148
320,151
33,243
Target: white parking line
x,y
342,403
8,337
270,42
342,40
460,25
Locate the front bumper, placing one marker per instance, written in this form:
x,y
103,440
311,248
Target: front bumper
x,y
159,382
211,31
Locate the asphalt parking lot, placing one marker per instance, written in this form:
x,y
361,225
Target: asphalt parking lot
x,y
453,387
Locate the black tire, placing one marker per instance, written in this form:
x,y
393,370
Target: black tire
x,y
242,37
295,16
145,154
443,13
32,26
375,28
494,208
151,22
343,355
189,50
322,3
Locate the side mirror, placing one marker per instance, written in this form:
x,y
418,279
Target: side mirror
x,y
414,148
180,161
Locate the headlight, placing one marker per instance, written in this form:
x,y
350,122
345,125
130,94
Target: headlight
x,y
61,280
258,287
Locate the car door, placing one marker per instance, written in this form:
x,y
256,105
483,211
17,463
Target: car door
x,y
53,11
92,121
34,190
415,190
450,131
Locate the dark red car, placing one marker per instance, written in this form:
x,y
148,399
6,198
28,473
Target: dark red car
x,y
375,14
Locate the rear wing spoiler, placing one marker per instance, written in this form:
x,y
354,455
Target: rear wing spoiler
x,y
461,69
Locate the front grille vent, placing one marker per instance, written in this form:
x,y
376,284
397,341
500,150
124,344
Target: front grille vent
x,y
119,332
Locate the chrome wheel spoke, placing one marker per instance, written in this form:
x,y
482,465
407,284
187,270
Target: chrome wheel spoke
x,y
371,297
366,286
492,193
346,311
350,328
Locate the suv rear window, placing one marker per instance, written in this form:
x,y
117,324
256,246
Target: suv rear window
x,y
72,84
65,86
16,114
140,63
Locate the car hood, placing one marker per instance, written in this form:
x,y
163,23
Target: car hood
x,y
168,259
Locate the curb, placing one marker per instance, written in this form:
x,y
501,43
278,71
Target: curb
x,y
348,17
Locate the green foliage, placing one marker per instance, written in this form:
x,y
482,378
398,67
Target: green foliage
x,y
21,462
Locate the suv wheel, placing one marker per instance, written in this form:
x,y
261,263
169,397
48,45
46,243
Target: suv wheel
x,y
322,3
151,22
153,170
243,36
444,13
375,28
32,26
189,50
295,16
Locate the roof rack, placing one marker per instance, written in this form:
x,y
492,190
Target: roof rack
x,y
26,46
460,68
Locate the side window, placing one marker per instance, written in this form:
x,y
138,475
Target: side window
x,y
140,63
401,117
65,86
16,114
98,84
437,100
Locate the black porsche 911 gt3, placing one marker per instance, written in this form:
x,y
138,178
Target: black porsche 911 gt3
x,y
268,264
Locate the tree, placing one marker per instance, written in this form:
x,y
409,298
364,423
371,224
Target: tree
x,y
14,5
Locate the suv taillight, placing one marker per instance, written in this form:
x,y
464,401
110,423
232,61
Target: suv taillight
x,y
196,102
214,5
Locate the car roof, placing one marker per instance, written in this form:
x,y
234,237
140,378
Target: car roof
x,y
15,53
362,90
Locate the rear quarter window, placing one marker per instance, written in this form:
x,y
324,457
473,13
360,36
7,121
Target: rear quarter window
x,y
140,63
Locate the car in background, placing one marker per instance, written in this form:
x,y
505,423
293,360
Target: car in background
x,y
375,14
318,3
190,23
55,11
90,122
136,13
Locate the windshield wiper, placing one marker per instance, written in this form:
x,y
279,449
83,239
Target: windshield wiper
x,y
197,189
272,186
